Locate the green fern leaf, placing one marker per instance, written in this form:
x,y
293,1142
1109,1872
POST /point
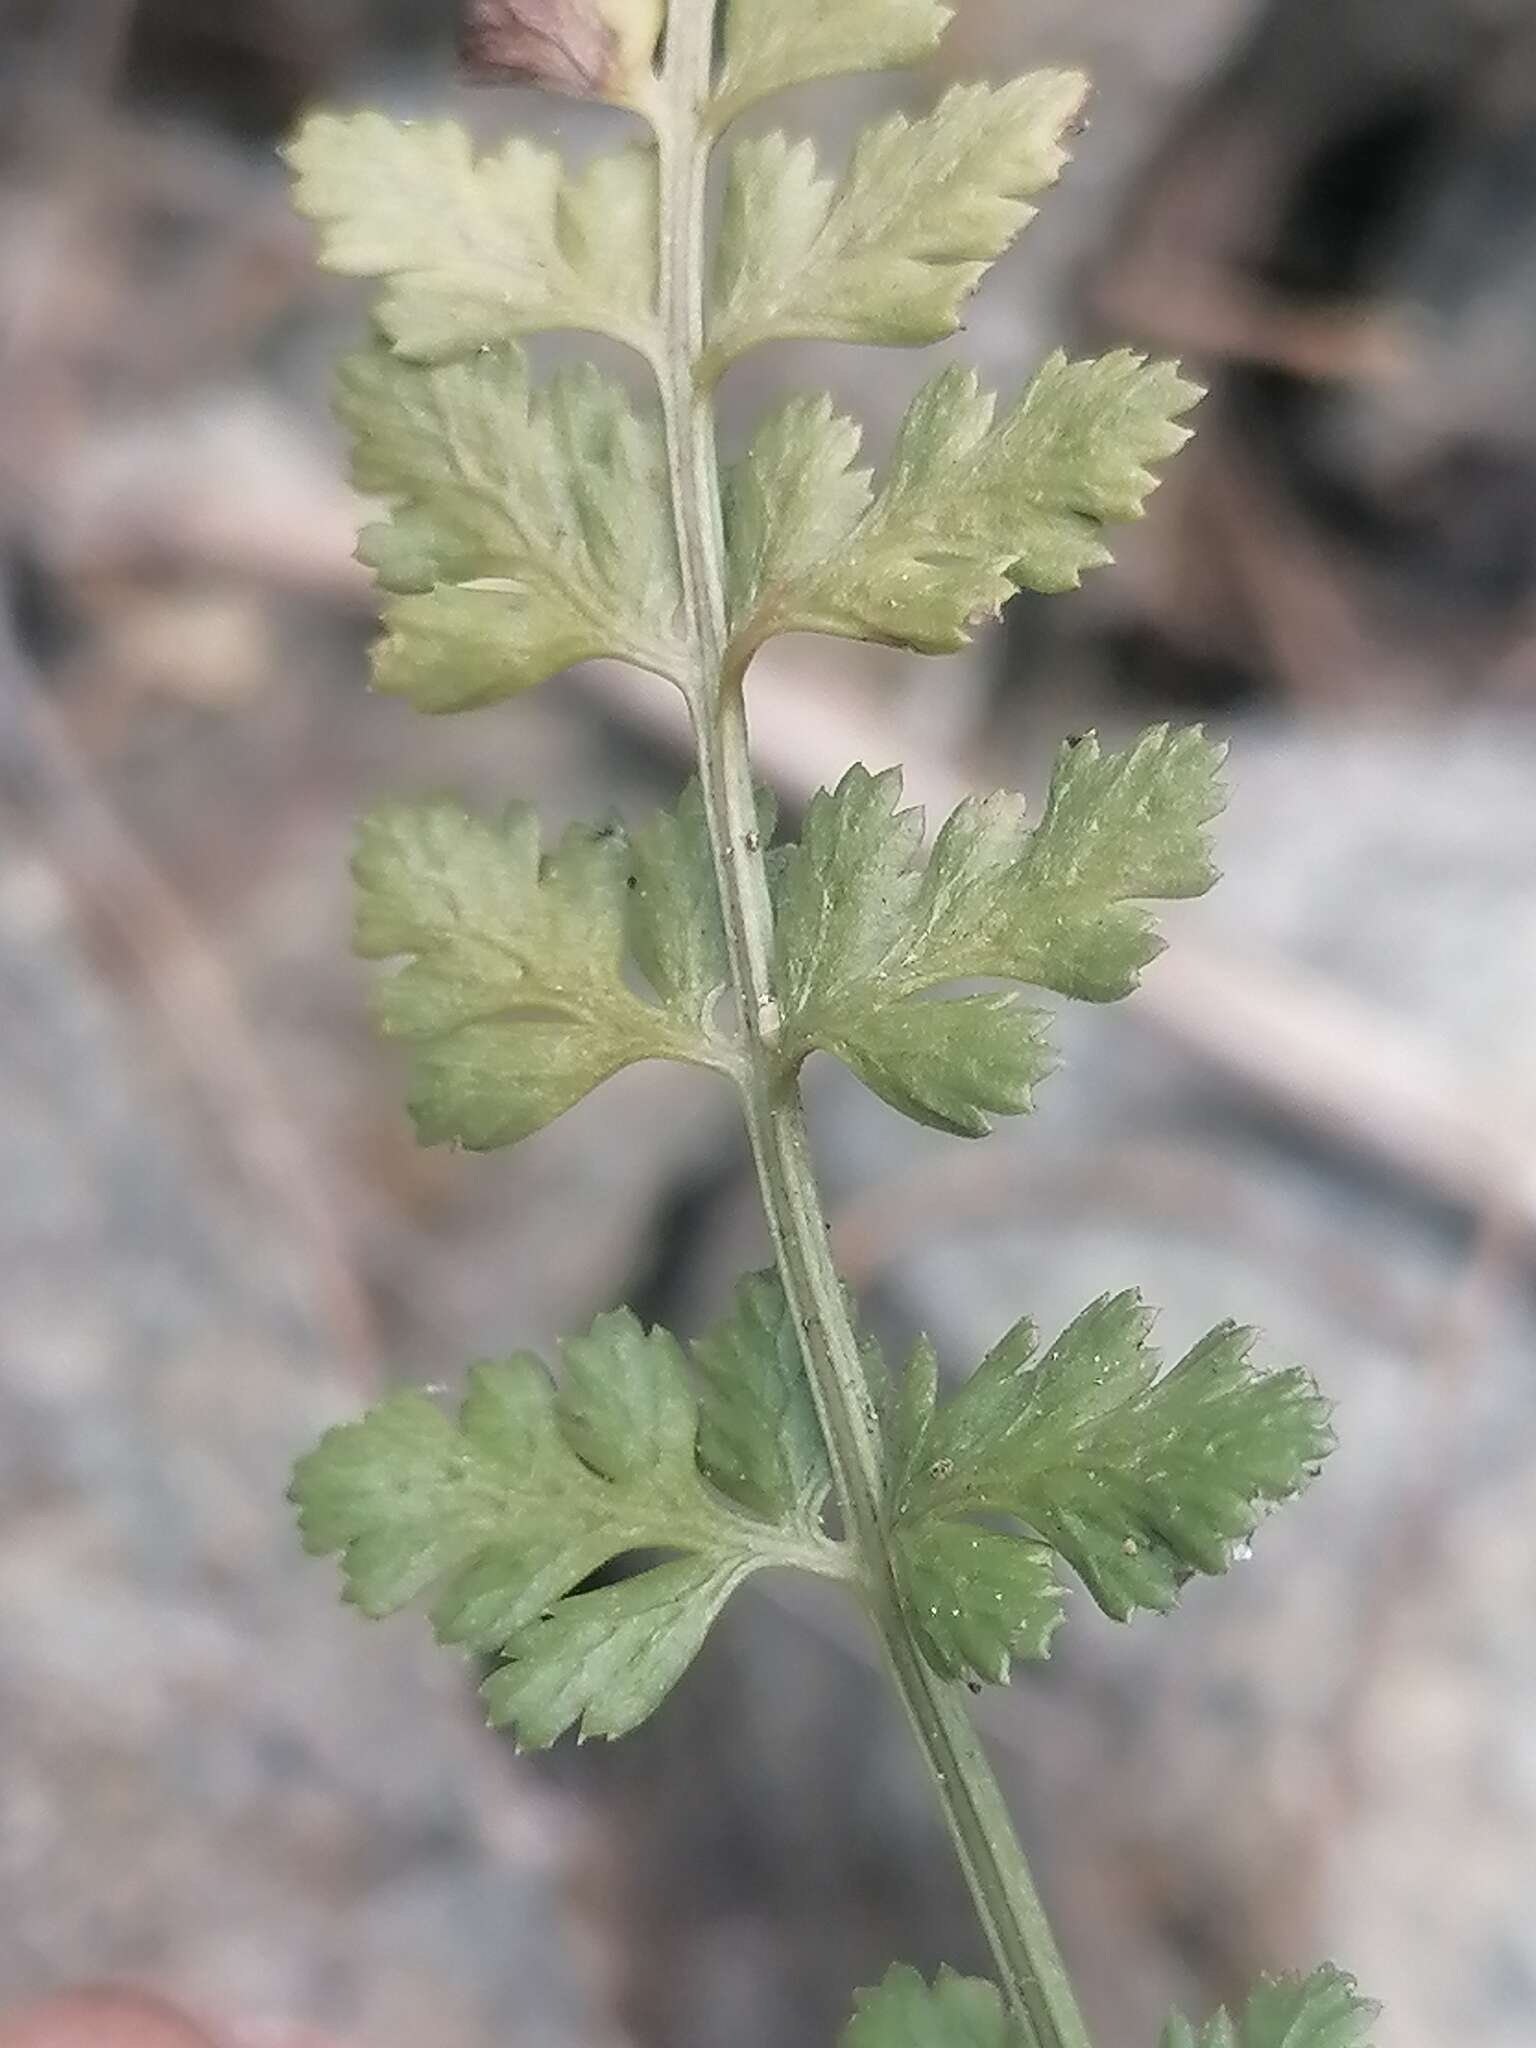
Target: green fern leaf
x,y
759,1439
475,251
1136,1478
976,1599
952,1064
970,509
953,2012
1324,2010
506,1510
867,931
771,44
530,528
1320,2011
610,1657
675,930
515,995
791,503
892,253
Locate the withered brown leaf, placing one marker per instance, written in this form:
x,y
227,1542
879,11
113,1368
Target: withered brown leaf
x,y
564,45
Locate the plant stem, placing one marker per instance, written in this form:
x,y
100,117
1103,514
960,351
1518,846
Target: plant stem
x,y
990,1853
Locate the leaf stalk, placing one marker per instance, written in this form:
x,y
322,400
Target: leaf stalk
x,y
990,1853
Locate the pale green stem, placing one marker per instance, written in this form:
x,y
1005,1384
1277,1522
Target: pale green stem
x,y
989,1850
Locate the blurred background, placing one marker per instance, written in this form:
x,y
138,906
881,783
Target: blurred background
x,y
1319,1115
